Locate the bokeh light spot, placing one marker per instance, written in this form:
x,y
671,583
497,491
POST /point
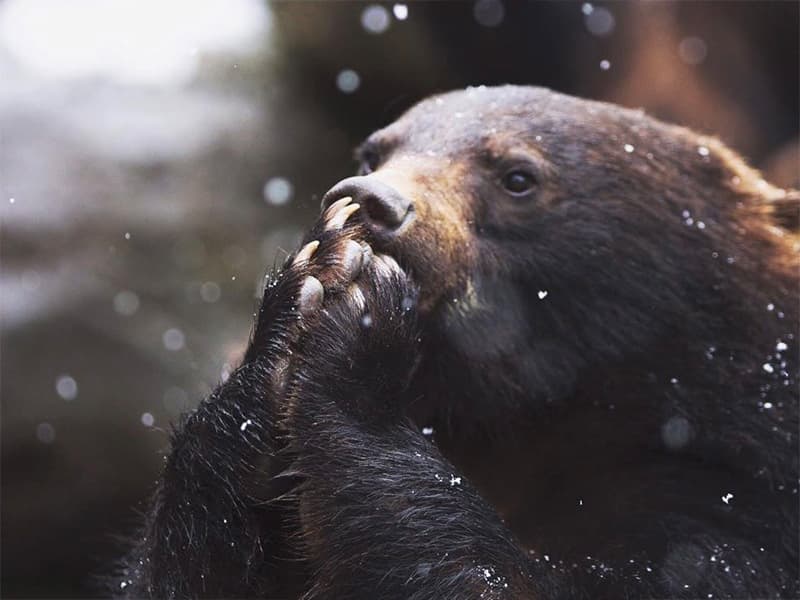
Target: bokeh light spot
x,y
67,387
278,191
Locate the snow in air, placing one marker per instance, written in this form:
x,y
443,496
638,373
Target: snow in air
x,y
210,292
542,294
148,419
628,148
173,339
692,50
489,13
400,11
278,191
245,425
375,19
605,65
727,498
126,303
598,20
45,433
67,387
427,431
348,81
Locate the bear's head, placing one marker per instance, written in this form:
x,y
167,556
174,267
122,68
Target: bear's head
x,y
553,236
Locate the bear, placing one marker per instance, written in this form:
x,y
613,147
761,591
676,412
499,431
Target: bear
x,y
539,347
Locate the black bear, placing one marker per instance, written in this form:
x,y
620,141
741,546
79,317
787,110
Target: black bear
x,y
541,347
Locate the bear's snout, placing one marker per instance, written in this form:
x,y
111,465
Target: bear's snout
x,y
385,210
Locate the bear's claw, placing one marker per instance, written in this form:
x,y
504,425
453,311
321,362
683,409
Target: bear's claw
x,y
352,259
306,252
334,208
338,218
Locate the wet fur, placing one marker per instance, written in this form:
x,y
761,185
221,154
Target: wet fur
x,y
594,431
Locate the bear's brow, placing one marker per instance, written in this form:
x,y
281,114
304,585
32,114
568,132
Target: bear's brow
x,y
381,146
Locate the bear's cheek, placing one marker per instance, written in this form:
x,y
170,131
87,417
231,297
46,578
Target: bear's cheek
x,y
488,320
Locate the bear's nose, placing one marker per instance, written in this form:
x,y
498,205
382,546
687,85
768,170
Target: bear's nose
x,y
385,209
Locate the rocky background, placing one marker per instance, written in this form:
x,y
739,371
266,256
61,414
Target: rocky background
x,y
157,157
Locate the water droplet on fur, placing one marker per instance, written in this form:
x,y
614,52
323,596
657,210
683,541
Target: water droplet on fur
x,y
366,321
676,433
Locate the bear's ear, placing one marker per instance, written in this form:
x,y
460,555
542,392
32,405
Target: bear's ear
x,y
786,211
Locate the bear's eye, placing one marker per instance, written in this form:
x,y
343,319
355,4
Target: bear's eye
x,y
519,182
369,161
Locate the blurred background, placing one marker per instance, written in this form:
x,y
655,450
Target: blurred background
x,y
158,156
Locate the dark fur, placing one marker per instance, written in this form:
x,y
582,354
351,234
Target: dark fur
x,y
596,430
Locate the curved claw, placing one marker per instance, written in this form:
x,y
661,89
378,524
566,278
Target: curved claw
x,y
336,206
306,252
337,221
